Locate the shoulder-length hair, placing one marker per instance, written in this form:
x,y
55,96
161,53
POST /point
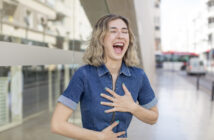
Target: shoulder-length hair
x,y
94,54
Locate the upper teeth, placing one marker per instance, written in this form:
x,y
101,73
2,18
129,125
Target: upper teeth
x,y
119,44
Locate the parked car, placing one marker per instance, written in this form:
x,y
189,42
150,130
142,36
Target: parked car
x,y
195,66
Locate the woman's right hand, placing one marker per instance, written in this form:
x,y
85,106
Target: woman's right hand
x,y
108,134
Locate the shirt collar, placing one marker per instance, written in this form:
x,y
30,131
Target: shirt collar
x,y
125,70
102,70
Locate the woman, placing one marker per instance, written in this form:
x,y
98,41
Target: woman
x,y
108,87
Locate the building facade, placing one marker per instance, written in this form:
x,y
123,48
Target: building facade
x,y
157,25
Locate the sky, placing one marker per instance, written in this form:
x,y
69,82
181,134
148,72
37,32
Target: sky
x,y
175,17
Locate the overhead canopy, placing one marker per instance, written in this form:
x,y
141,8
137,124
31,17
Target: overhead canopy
x,y
95,9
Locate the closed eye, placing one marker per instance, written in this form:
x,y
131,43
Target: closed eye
x,y
125,32
113,31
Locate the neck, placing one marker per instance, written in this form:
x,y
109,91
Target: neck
x,y
113,66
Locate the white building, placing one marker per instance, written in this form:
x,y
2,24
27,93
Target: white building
x,y
157,25
201,32
198,31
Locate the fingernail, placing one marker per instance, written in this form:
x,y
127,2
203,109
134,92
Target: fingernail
x,y
106,88
101,94
117,121
123,84
101,102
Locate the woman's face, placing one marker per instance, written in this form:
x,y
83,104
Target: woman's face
x,y
116,40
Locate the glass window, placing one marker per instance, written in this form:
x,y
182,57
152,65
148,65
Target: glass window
x,y
59,24
210,3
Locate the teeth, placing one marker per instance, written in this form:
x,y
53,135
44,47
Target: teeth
x,y
119,44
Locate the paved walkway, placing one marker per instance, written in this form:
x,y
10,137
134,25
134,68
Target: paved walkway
x,y
185,114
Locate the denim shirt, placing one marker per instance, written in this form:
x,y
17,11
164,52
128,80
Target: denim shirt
x,y
89,82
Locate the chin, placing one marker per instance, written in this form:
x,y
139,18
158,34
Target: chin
x,y
118,58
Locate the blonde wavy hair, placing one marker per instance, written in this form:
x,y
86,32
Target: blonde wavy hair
x,y
94,54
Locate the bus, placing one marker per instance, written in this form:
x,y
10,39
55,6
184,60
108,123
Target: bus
x,y
174,56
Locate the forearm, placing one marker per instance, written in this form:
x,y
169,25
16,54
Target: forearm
x,y
75,132
145,115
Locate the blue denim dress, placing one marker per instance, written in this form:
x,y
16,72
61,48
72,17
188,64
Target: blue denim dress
x,y
89,82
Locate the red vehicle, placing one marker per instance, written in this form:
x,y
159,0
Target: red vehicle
x,y
174,56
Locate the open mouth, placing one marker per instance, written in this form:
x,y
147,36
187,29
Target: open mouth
x,y
118,47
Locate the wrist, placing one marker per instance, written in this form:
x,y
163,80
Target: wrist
x,y
99,136
133,108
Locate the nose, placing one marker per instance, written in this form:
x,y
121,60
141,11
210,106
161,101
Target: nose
x,y
119,34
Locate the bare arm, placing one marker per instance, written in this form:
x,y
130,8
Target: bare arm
x,y
61,126
149,116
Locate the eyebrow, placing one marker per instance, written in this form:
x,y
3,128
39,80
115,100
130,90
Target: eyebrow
x,y
124,28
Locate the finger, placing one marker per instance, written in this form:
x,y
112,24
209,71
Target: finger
x,y
114,94
125,89
120,133
122,139
114,124
107,97
111,110
107,103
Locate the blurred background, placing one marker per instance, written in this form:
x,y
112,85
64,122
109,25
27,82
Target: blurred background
x,y
42,43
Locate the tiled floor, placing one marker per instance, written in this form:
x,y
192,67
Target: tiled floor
x,y
184,114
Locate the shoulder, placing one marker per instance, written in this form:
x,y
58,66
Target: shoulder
x,y
137,71
85,69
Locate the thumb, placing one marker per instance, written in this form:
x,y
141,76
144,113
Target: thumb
x,y
125,89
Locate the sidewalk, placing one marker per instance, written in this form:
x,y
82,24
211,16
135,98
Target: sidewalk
x,y
205,81
184,114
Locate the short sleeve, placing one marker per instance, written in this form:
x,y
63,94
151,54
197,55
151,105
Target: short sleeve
x,y
71,96
146,97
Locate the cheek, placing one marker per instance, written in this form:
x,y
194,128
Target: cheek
x,y
127,41
107,40
107,43
107,49
128,38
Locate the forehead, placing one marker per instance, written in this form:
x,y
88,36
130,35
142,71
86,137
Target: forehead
x,y
117,23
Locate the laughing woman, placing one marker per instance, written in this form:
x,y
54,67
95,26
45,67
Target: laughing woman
x,y
110,88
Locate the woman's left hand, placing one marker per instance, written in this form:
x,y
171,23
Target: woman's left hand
x,y
119,103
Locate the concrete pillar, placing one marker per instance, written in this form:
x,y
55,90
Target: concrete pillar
x,y
4,105
50,91
145,22
66,76
66,67
16,93
57,84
